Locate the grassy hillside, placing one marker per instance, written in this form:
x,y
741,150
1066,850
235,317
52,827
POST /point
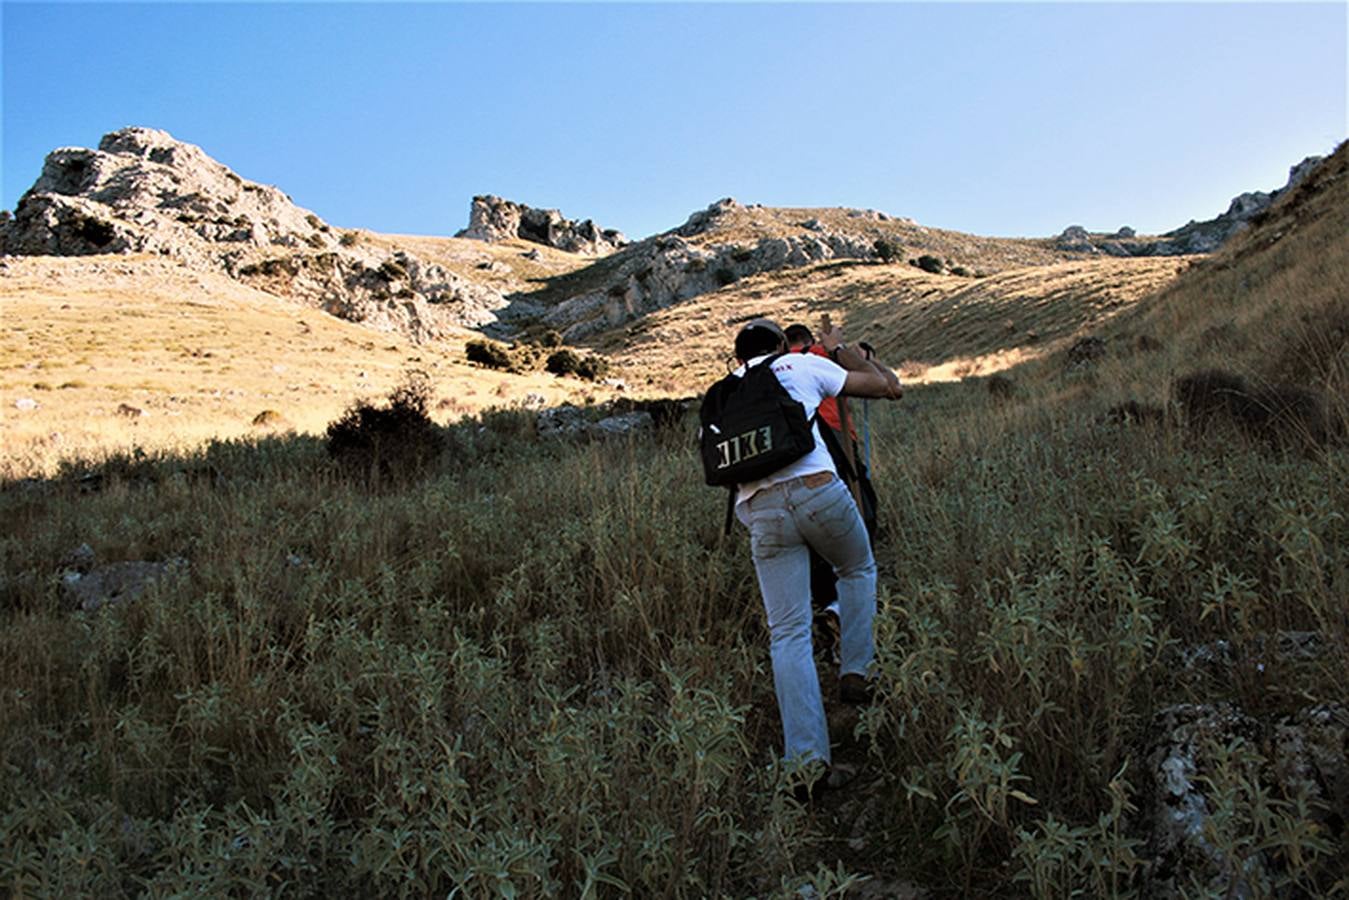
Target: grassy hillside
x,y
201,356
538,669
932,327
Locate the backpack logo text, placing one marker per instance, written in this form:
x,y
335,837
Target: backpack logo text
x,y
744,446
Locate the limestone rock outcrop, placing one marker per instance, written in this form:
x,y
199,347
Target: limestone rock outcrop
x,y
1196,754
1194,236
669,268
142,191
494,219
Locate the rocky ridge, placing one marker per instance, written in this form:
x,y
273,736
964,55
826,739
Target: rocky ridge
x,y
142,191
1192,237
494,219
669,268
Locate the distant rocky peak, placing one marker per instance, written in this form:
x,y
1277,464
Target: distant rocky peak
x,y
704,220
143,191
152,144
493,219
1192,237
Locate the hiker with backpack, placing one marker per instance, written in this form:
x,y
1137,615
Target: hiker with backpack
x,y
759,438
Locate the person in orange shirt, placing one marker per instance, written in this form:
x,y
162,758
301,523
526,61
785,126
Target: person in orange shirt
x,y
854,471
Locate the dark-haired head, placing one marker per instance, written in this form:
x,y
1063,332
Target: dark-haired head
x,y
758,338
799,335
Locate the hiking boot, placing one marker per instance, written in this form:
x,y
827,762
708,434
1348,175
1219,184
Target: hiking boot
x,y
854,689
831,779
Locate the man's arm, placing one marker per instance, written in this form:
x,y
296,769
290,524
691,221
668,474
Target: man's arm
x,y
866,378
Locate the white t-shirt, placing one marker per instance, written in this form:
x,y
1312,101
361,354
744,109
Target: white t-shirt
x,y
808,379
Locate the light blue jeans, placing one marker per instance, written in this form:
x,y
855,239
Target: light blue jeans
x,y
782,520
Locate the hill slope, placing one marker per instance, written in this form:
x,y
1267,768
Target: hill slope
x,y
102,353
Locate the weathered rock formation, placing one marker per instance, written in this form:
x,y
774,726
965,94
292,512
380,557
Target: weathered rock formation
x,y
667,269
494,219
142,191
1200,759
88,587
1193,237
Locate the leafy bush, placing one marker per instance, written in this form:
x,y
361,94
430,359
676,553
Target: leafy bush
x,y
488,353
394,441
725,276
349,239
887,250
593,367
929,263
563,362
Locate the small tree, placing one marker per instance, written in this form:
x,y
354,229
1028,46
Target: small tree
x,y
563,362
886,249
593,367
395,440
488,353
929,263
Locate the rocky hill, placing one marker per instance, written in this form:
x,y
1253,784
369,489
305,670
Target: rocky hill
x,y
514,267
1192,237
142,191
729,241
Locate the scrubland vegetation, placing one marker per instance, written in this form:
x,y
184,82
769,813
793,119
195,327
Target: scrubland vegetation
x,y
538,669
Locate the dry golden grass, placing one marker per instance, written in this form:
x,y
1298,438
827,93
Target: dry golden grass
x,y
201,356
935,327
1273,305
507,266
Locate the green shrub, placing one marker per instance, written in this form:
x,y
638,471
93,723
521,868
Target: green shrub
x,y
887,250
563,362
395,441
488,353
929,263
725,276
592,367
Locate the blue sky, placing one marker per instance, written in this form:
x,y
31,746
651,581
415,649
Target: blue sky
x,y
999,119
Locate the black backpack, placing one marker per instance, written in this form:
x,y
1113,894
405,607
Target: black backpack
x,y
751,427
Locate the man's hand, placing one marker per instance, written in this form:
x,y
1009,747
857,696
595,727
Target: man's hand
x,y
831,337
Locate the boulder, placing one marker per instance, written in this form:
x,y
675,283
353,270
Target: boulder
x,y
569,422
1302,757
118,582
627,423
1174,804
494,219
1076,239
